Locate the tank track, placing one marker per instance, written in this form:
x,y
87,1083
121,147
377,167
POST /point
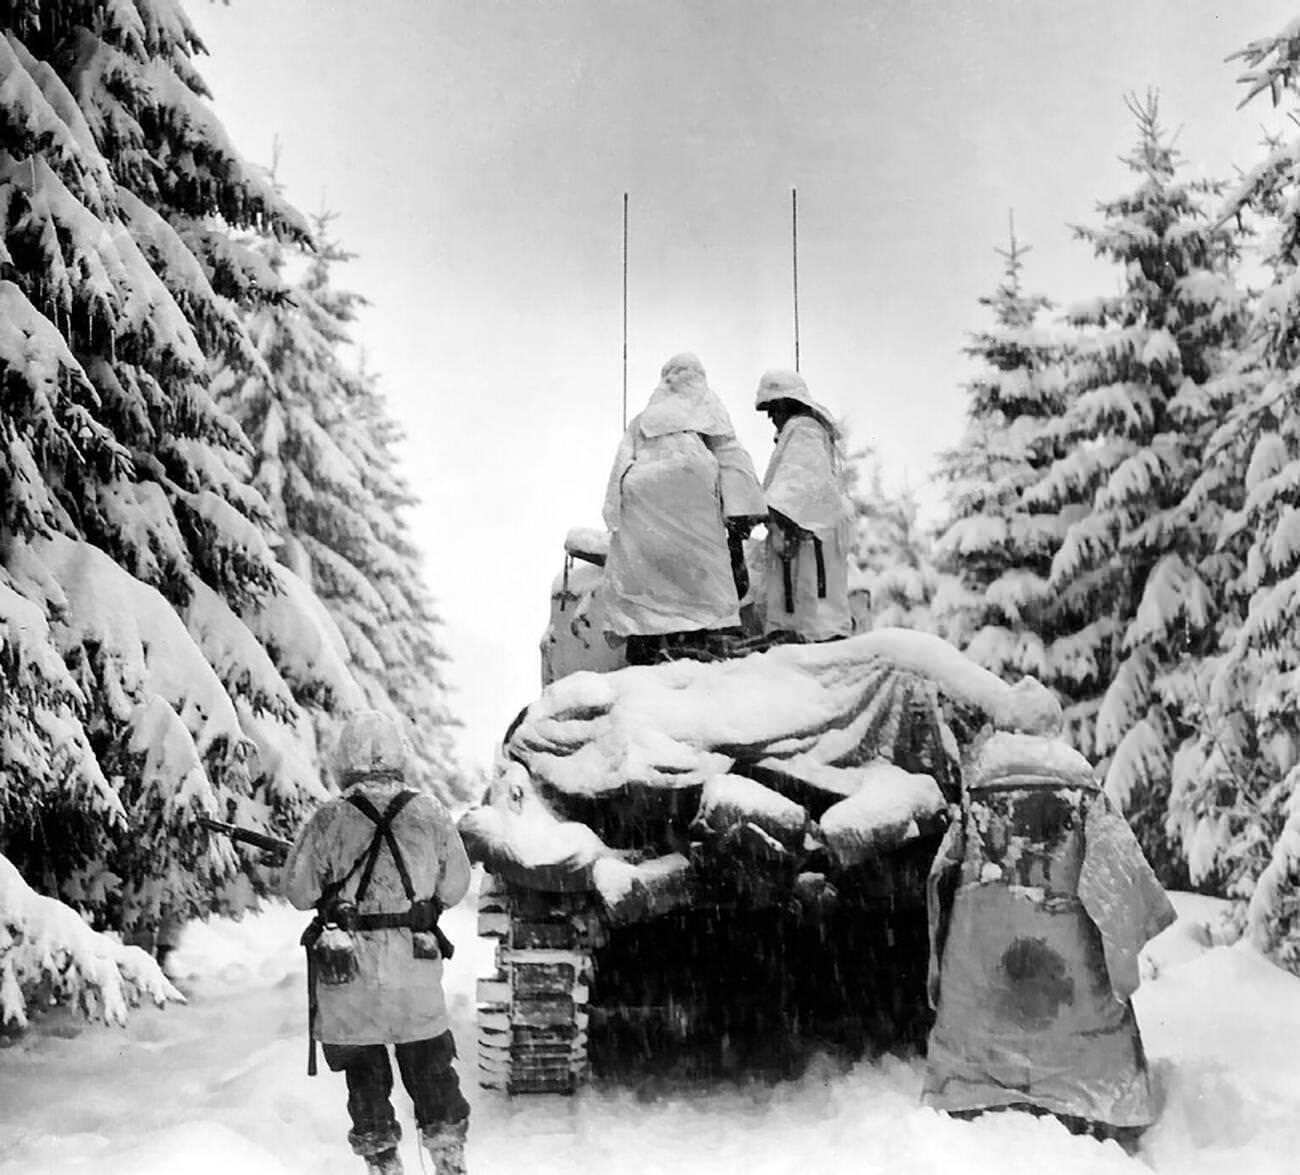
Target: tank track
x,y
533,1013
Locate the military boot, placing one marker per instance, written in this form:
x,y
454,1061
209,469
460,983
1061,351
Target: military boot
x,y
446,1147
386,1162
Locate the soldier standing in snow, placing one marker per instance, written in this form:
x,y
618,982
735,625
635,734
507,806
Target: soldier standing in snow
x,y
1040,900
682,494
379,863
806,592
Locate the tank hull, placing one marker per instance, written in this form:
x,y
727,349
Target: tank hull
x,y
706,866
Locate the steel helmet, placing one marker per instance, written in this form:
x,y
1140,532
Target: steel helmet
x,y
371,744
779,384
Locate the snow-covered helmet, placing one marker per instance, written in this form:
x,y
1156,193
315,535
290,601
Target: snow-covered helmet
x,y
779,384
685,368
1005,759
684,402
371,745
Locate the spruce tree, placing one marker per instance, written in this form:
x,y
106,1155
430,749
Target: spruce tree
x,y
892,578
1239,807
324,459
147,687
1136,579
994,550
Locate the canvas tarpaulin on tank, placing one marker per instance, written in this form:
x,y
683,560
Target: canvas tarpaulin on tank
x,y
841,720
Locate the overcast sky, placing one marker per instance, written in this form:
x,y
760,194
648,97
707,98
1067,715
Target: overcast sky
x,y
477,153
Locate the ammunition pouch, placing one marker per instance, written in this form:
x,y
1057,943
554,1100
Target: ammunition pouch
x,y
425,914
344,915
331,946
427,940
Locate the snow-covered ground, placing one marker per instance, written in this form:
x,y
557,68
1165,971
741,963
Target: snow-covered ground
x,y
219,1085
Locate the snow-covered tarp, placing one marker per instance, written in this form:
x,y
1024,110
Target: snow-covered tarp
x,y
834,705
888,808
847,747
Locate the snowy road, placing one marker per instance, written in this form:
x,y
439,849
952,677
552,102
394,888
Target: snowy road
x,y
220,1086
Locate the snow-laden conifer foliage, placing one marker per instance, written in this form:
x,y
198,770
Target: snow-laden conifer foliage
x,y
44,943
324,459
891,576
154,649
1134,583
1238,804
995,549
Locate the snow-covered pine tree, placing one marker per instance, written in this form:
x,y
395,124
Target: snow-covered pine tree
x,y
1239,804
130,543
324,459
413,654
994,550
891,576
1136,579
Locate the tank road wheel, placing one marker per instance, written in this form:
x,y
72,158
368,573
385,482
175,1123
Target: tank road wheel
x,y
532,1014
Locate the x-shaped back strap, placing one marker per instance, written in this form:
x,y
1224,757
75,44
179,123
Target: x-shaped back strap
x,y
383,835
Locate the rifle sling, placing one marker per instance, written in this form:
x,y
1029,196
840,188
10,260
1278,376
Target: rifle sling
x,y
787,581
787,573
311,1011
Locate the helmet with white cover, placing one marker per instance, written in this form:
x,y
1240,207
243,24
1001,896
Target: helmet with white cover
x,y
779,384
371,745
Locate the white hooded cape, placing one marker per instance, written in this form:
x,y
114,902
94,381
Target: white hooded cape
x,y
678,474
802,483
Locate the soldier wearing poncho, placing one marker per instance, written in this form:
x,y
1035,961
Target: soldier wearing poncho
x,y
391,993
806,559
679,477
1040,900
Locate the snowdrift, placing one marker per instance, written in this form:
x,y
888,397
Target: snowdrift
x,y
222,1080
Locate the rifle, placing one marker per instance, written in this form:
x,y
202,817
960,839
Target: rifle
x,y
247,836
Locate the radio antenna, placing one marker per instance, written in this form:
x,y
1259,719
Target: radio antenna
x,y
794,238
625,310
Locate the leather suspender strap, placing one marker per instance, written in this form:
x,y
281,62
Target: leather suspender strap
x,y
383,835
423,914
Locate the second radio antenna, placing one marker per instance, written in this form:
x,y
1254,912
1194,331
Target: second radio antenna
x,y
794,241
625,310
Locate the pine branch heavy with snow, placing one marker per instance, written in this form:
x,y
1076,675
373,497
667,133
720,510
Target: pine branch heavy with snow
x,y
324,459
1137,579
994,550
1243,807
892,579
147,645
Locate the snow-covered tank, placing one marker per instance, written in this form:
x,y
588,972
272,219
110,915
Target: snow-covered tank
x,y
693,862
